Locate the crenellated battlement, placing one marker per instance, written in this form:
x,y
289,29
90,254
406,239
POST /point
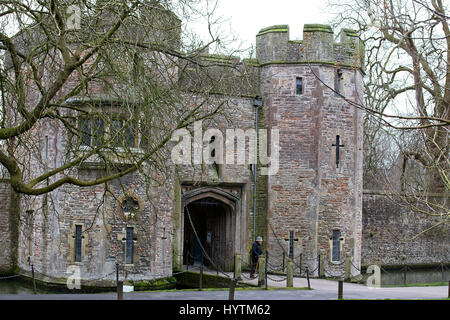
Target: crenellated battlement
x,y
221,74
318,46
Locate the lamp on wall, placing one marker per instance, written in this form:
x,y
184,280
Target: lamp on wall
x,y
257,102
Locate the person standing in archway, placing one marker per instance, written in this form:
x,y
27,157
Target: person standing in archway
x,y
255,253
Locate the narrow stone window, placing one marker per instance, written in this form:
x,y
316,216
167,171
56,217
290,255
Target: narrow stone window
x,y
78,240
291,244
336,253
338,83
213,151
299,86
129,246
338,147
95,131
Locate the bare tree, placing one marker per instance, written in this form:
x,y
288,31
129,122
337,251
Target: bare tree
x,y
407,98
112,79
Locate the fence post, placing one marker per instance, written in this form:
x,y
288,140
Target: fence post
x,y
289,274
340,290
119,290
321,265
300,265
442,272
232,286
284,256
261,270
34,280
200,286
318,267
348,261
267,262
405,268
119,284
237,266
307,277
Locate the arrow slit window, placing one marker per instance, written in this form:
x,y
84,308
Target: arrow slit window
x,y
291,244
299,86
338,83
336,251
129,246
78,239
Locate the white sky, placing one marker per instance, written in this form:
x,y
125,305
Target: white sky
x,y
247,17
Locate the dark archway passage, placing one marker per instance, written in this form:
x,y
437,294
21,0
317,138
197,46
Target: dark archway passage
x,y
212,220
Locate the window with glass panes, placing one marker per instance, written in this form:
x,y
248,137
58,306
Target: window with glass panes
x,y
336,253
120,132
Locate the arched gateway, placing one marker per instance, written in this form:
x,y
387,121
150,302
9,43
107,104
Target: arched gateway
x,y
209,230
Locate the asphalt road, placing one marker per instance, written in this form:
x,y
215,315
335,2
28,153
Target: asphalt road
x,y
322,290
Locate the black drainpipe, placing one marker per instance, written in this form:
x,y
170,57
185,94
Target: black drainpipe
x,y
257,103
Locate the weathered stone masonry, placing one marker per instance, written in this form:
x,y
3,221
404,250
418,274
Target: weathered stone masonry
x,y
5,236
392,233
309,195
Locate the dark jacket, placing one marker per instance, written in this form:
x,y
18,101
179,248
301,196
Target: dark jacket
x,y
256,251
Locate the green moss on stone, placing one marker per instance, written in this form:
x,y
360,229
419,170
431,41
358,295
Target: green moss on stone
x,y
283,27
317,28
274,29
156,284
350,32
253,62
225,59
192,280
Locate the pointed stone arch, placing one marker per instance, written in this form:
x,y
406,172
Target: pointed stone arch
x,y
222,224
221,195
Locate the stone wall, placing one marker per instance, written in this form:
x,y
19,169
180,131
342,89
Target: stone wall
x,y
237,178
55,216
390,228
318,46
310,195
5,235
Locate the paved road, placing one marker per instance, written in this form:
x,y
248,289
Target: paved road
x,y
323,290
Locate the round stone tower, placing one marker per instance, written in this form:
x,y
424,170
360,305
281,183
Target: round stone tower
x,y
315,198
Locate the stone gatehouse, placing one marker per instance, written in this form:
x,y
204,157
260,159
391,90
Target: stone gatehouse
x,y
311,205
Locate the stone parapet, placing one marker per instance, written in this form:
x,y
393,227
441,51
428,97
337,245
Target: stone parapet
x,y
318,46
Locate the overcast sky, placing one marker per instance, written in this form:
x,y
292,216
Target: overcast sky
x,y
247,17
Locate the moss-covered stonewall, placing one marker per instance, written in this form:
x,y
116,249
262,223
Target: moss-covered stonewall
x,y
350,32
276,28
59,285
317,27
192,280
157,284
